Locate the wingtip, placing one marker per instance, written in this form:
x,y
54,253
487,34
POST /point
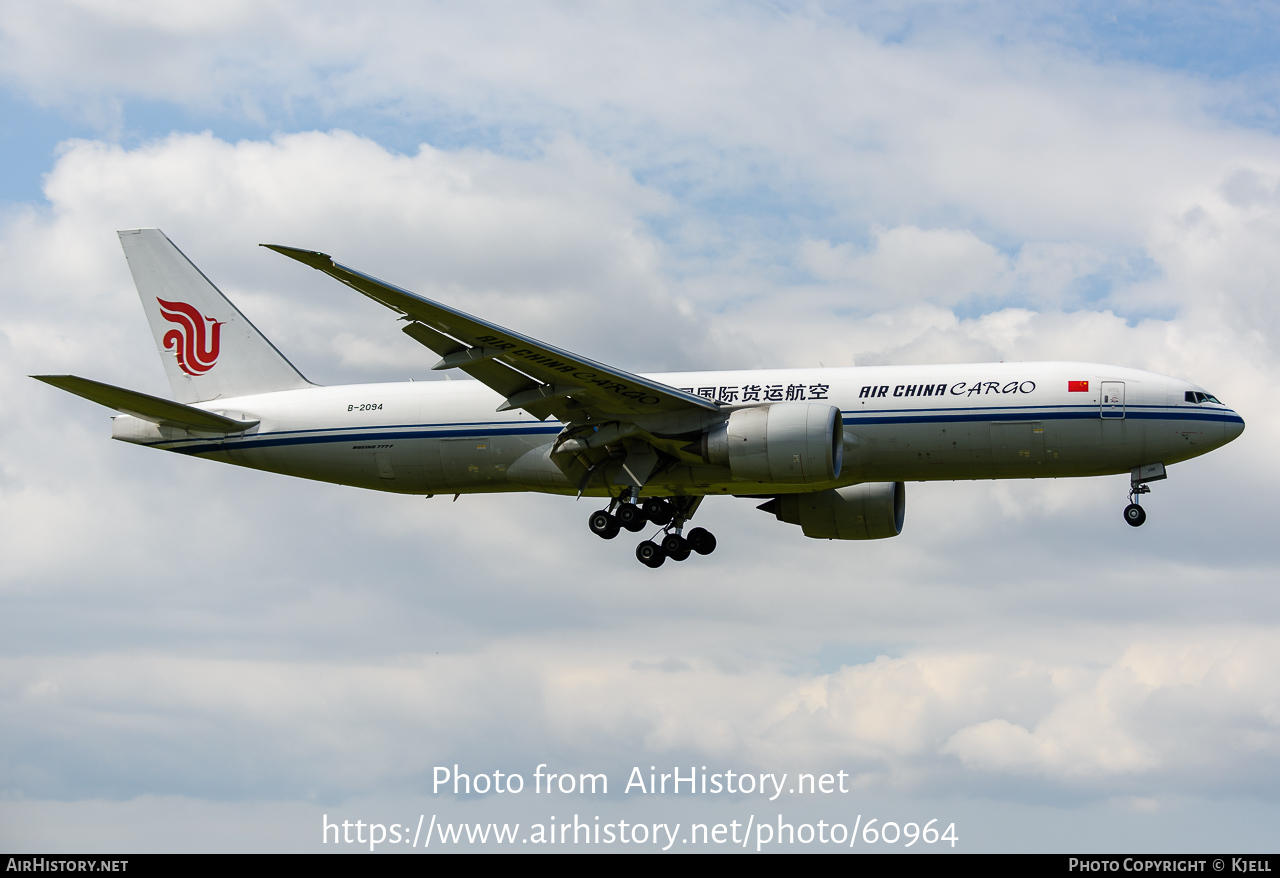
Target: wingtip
x,y
314,258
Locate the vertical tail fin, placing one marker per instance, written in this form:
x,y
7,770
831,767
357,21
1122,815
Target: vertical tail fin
x,y
210,350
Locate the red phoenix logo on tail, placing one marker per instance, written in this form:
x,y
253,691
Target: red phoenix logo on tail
x,y
197,349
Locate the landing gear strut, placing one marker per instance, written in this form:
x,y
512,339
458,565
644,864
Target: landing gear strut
x,y
669,514
1134,514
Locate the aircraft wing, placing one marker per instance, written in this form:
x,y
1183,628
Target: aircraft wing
x,y
532,375
147,407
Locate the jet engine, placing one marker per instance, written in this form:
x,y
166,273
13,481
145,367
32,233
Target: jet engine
x,y
869,511
789,443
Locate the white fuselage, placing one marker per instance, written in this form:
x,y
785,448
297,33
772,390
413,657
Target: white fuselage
x,y
901,423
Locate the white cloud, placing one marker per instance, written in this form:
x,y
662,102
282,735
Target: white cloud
x,y
1023,137
556,243
1206,710
906,263
1137,725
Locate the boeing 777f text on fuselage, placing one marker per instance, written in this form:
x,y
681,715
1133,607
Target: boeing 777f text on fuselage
x,y
827,449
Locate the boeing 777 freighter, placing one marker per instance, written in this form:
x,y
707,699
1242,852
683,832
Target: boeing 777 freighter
x,y
827,449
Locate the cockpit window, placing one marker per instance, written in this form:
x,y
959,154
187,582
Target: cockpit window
x,y
1197,396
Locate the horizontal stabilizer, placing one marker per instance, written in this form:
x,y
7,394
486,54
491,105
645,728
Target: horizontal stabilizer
x,y
149,408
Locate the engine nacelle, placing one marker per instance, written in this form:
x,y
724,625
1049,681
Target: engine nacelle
x,y
789,443
869,511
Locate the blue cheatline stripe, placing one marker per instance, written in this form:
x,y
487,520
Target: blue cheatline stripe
x,y
317,437
330,435
1027,414
478,424
1086,409
1081,407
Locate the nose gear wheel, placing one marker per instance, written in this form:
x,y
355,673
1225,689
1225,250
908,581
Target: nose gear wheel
x,y
1134,515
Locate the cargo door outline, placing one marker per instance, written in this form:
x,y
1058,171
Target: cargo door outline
x,y
470,461
1017,445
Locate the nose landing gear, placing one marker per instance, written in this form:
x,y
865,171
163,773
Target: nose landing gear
x,y
1134,514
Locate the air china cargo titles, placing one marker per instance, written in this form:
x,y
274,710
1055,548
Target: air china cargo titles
x,y
960,388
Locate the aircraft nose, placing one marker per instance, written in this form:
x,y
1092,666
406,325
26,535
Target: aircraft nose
x,y
1233,427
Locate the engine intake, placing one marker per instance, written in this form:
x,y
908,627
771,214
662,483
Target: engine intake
x,y
789,443
868,511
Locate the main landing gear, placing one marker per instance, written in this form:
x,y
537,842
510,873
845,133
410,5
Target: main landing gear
x,y
1134,514
670,515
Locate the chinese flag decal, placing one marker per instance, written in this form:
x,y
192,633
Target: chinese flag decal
x,y
1077,387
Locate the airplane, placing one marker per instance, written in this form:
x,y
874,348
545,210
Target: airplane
x,y
828,449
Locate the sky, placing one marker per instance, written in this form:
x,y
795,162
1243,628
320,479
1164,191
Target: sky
x,y
195,657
